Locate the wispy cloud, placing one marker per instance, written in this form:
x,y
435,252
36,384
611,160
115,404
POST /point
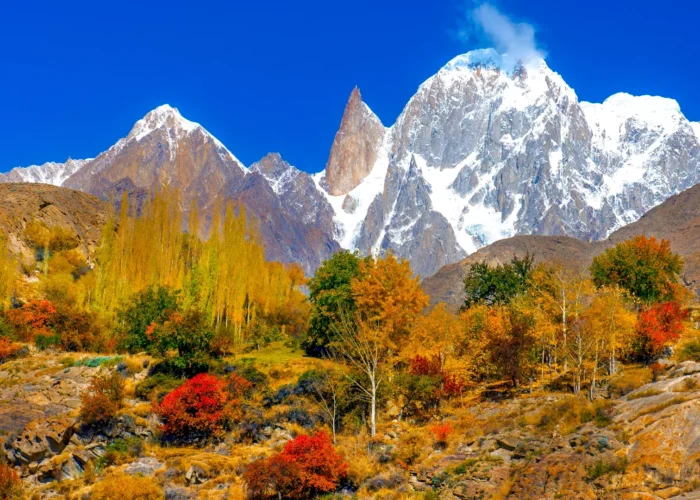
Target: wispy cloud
x,y
486,24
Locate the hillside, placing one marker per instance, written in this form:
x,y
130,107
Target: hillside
x,y
81,214
676,220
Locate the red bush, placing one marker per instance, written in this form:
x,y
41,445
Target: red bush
x,y
451,385
661,324
202,406
442,432
308,466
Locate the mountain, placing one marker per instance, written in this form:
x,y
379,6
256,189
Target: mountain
x,y
676,220
82,214
486,149
48,173
296,222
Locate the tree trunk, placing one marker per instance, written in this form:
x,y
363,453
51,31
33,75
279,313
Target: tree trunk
x,y
373,410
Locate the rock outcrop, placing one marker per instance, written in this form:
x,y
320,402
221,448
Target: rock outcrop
x,y
355,147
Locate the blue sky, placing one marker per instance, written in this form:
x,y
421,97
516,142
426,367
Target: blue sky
x,y
275,76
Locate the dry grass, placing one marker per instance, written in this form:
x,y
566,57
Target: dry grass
x,y
646,393
629,378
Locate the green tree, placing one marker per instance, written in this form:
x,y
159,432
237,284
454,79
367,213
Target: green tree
x,y
330,294
153,305
644,267
186,333
497,285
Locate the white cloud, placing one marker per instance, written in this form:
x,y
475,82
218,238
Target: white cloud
x,y
516,41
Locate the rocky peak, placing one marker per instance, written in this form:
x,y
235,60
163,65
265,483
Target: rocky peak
x,y
355,147
164,116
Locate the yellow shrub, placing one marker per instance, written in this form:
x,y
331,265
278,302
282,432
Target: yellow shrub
x,y
127,487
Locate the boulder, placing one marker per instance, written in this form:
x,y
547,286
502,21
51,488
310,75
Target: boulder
x,y
196,475
145,466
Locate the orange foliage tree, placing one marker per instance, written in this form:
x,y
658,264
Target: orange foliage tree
x,y
33,319
659,325
103,399
306,467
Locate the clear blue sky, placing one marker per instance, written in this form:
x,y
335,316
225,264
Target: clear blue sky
x,y
275,76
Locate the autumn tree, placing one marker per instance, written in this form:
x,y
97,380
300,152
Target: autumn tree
x,y
613,321
8,273
330,294
657,326
561,293
151,306
645,267
497,285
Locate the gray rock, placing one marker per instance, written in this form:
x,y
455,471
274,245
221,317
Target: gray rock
x,y
145,466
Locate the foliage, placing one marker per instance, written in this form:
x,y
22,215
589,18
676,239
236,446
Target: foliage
x,y
33,318
226,276
201,407
645,267
7,349
102,399
441,432
10,483
499,284
657,326
188,334
128,487
155,387
8,273
330,294
306,467
690,351
150,306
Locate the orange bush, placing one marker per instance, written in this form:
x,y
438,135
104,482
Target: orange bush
x,y
10,483
308,466
103,399
200,407
7,349
32,319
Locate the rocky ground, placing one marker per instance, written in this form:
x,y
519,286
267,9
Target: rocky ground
x,y
545,445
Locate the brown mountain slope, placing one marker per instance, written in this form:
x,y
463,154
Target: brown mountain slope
x,y
676,220
81,213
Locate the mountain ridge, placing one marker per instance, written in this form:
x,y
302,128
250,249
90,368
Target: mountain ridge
x,y
486,149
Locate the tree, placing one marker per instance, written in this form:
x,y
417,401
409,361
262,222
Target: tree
x,y
657,326
499,284
8,273
306,467
34,319
102,399
330,294
512,346
645,267
611,316
366,349
330,388
560,292
388,295
201,407
188,334
151,306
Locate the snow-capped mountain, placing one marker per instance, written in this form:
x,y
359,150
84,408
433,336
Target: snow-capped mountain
x,y
485,149
48,173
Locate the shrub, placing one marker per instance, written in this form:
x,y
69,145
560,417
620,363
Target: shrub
x,y
103,399
201,407
33,318
150,306
8,349
442,432
308,466
657,326
128,487
10,483
187,333
690,351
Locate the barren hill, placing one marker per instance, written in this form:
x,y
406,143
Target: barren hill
x,y
80,213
